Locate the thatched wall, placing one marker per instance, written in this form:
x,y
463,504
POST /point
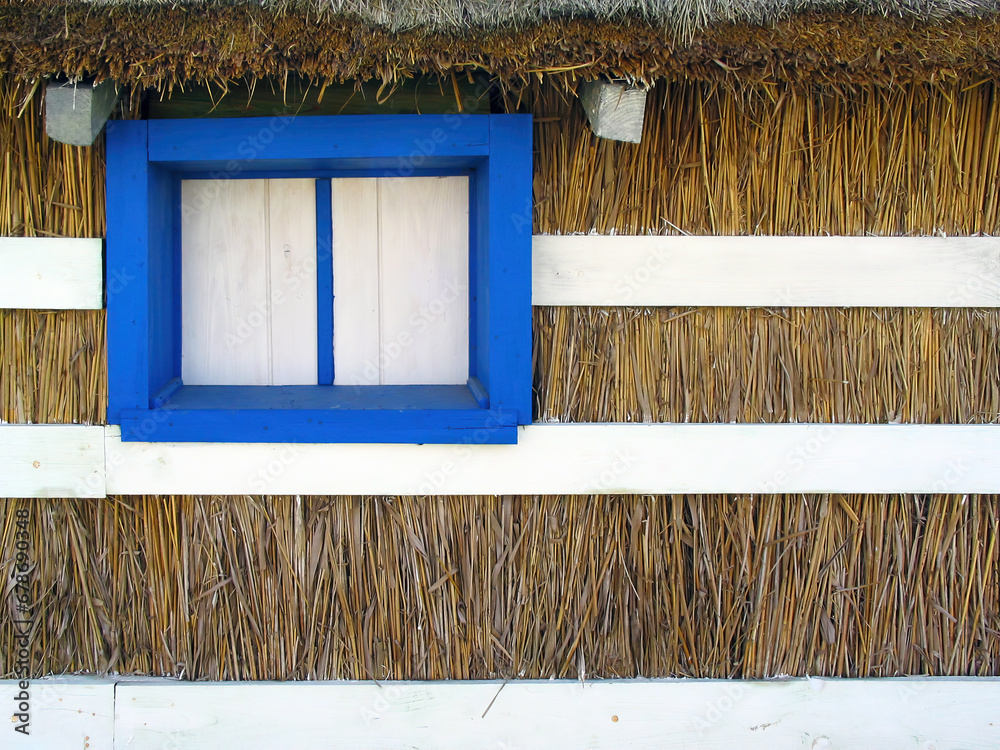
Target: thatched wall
x,y
918,159
477,587
459,587
763,365
52,364
718,159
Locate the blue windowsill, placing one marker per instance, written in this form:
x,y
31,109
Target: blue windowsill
x,y
319,414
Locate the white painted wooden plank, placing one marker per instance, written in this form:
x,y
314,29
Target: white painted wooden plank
x,y
424,223
63,713
292,272
583,458
147,713
767,271
51,460
51,273
805,713
355,281
224,297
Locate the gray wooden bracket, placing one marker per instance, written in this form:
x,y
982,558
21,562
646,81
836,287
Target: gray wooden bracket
x,y
615,109
75,112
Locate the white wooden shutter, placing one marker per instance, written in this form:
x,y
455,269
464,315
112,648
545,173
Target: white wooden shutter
x,y
401,280
248,282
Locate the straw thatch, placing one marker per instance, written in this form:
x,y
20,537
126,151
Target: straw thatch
x,y
715,159
915,159
464,587
678,16
173,44
781,365
481,587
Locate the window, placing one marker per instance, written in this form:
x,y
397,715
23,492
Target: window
x,y
323,279
250,271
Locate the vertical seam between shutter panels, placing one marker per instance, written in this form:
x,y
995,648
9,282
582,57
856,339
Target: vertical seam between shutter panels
x,y
268,283
381,313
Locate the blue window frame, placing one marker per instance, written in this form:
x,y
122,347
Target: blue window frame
x,y
146,161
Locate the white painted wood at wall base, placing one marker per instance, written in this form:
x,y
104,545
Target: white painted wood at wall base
x,y
157,714
767,271
51,461
64,713
52,273
542,715
583,459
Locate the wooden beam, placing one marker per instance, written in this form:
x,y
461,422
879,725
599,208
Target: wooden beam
x,y
71,461
51,273
614,109
59,712
51,461
582,458
145,713
64,273
420,95
767,271
814,713
75,111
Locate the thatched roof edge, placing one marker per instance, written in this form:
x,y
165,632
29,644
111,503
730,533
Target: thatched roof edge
x,y
166,45
680,18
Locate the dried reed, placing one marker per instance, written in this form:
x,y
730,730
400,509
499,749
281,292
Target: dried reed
x,y
767,365
486,587
772,159
52,366
168,45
